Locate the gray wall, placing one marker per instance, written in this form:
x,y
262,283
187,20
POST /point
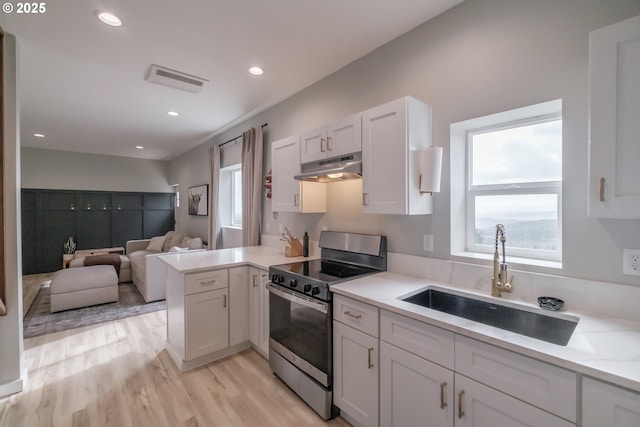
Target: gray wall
x,y
482,57
64,170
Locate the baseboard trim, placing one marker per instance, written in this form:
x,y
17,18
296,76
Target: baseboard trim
x,y
13,387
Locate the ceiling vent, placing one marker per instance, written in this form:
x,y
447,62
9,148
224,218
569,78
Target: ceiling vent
x,y
176,79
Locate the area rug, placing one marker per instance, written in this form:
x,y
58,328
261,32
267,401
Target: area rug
x,y
39,321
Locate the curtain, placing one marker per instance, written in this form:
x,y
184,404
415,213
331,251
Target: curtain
x,y
251,186
215,229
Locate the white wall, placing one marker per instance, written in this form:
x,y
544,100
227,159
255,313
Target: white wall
x,y
12,372
482,57
64,170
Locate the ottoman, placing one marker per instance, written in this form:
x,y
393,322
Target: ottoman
x,y
83,286
125,267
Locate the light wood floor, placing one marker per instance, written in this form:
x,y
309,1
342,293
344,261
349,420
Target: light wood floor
x,y
31,284
118,374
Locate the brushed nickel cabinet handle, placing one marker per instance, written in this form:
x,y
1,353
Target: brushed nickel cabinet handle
x,y
460,411
370,361
322,147
328,143
443,386
295,200
224,304
255,278
210,282
602,189
354,316
364,199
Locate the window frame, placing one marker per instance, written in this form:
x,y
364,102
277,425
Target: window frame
x,y
464,193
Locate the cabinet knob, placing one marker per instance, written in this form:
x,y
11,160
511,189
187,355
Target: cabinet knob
x,y
602,189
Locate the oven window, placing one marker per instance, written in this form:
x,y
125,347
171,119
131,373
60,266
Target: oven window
x,y
302,330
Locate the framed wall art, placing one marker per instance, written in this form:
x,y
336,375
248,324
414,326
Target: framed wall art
x,y
199,200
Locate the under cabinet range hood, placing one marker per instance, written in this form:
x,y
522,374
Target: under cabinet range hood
x,y
335,169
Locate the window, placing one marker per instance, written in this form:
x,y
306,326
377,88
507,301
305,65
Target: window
x,y
230,196
236,197
512,175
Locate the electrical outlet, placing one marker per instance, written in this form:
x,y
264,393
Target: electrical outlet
x,y
427,242
631,262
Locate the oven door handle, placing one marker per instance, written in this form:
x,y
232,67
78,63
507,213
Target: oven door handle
x,y
316,305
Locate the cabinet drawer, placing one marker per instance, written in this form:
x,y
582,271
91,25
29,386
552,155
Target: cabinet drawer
x,y
205,281
419,338
360,315
540,384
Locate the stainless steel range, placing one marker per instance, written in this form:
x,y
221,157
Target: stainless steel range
x,y
300,312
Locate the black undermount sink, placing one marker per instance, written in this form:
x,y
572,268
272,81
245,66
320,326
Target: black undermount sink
x,y
547,328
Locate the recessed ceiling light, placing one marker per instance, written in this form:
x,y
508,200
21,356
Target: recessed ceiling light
x,y
38,135
139,147
173,113
108,18
256,71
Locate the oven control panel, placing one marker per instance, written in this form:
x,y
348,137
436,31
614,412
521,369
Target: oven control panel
x,y
303,285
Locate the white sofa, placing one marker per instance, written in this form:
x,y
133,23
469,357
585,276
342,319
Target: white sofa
x,y
148,272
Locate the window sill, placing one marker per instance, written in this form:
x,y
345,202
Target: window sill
x,y
512,260
232,227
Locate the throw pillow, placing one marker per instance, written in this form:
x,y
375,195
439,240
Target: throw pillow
x,y
176,239
195,243
167,240
156,244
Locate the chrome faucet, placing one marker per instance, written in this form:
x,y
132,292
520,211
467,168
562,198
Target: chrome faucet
x,y
500,282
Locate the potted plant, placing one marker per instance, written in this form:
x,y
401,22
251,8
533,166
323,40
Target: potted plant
x,y
69,249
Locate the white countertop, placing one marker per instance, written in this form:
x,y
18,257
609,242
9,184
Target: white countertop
x,y
257,256
607,349
603,348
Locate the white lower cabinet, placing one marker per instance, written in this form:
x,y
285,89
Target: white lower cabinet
x,y
480,406
413,391
604,404
238,305
259,310
355,388
202,312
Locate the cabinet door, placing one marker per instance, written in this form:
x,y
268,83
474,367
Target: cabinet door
x,y
614,66
289,194
313,144
384,150
345,136
606,405
259,310
480,406
207,322
238,305
264,314
285,163
413,390
355,374
254,306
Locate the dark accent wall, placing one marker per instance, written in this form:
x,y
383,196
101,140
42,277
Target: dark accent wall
x,y
95,219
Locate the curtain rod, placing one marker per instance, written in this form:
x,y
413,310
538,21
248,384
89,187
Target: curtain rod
x,y
239,136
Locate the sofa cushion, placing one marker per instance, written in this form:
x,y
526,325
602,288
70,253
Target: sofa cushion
x,y
167,240
175,240
156,244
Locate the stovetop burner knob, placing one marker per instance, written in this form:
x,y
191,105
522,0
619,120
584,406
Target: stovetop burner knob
x,y
293,283
276,278
307,288
315,290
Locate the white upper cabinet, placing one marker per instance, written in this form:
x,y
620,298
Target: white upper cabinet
x,y
614,109
289,194
393,135
335,139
